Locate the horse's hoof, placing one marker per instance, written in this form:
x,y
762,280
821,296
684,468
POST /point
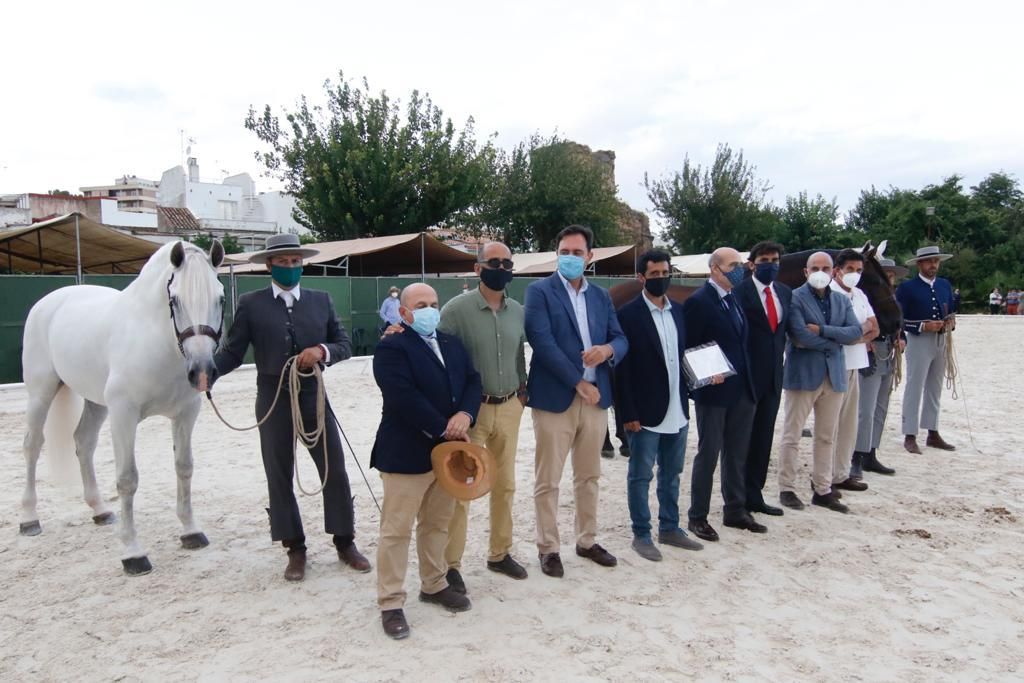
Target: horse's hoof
x,y
194,541
104,519
30,528
137,566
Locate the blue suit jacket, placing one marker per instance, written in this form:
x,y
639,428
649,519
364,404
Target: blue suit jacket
x,y
919,302
641,379
420,395
557,364
810,356
707,320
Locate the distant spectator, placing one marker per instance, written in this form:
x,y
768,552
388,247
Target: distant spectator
x,y
995,301
956,300
389,309
1012,302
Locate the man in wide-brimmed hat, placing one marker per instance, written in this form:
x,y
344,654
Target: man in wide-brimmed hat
x,y
927,303
282,321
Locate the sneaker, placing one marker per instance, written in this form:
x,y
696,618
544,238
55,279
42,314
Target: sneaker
x,y
646,549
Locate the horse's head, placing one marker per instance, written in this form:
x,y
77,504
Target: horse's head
x,y
881,294
196,300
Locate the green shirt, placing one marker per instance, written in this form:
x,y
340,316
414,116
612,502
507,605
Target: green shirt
x,y
494,339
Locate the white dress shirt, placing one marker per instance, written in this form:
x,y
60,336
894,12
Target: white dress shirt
x,y
665,324
289,297
579,307
856,354
762,294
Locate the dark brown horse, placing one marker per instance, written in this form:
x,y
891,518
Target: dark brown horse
x,y
873,283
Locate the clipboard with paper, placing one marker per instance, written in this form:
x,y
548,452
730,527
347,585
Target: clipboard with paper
x,y
703,362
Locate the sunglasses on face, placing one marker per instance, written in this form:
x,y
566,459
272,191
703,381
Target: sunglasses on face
x,y
495,263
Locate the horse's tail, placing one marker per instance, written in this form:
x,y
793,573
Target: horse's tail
x,y
59,433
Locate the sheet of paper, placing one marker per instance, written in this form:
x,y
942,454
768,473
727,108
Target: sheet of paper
x,y
707,361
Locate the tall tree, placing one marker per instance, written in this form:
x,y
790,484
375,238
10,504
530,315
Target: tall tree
x,y
814,223
705,208
358,166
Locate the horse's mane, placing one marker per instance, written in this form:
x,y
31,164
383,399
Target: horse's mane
x,y
191,280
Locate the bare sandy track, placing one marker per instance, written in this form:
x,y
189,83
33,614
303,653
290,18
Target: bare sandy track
x,y
923,582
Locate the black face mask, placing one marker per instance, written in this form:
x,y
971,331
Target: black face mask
x,y
657,286
766,272
496,278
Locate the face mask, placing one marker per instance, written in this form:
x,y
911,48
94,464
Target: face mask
x,y
394,295
657,286
819,279
734,276
495,278
571,267
851,280
286,277
766,272
425,320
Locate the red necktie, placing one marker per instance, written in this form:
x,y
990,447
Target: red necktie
x,y
769,303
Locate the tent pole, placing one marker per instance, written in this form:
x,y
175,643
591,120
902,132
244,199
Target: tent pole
x,y
423,257
78,250
39,242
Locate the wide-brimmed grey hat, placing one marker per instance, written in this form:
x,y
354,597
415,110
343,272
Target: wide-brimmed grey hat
x,y
279,245
889,265
928,252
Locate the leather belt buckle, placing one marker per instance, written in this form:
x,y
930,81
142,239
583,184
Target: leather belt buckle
x,y
497,400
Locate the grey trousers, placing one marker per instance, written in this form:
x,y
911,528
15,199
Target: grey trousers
x,y
926,367
875,391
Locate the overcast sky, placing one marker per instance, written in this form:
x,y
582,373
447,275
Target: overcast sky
x,y
827,97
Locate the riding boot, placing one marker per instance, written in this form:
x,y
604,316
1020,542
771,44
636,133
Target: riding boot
x,y
856,466
870,463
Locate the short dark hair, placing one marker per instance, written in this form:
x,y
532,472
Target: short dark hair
x,y
765,248
574,229
847,255
652,256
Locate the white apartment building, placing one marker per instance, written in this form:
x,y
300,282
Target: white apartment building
x,y
131,192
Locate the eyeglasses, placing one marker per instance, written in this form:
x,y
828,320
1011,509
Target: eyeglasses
x,y
495,263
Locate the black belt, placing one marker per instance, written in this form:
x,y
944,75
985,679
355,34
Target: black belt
x,y
497,400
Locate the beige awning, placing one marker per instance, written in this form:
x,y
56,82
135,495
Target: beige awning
x,y
696,265
52,248
619,260
370,256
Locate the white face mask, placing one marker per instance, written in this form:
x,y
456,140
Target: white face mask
x,y
819,279
394,295
851,280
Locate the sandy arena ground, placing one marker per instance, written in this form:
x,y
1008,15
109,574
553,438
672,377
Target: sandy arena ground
x,y
923,582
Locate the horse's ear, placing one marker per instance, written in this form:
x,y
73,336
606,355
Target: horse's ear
x,y
880,252
178,254
216,253
866,248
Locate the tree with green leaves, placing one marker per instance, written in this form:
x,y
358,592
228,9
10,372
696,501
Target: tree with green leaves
x,y
706,208
362,165
545,184
205,240
814,223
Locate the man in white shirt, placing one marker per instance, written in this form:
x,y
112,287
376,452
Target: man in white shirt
x,y
848,269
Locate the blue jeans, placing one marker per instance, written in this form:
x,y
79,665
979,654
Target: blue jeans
x,y
669,451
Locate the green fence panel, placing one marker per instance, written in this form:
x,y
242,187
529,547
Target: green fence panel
x,y
18,293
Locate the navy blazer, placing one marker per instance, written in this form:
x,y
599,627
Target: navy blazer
x,y
641,379
707,320
921,303
810,356
764,347
277,334
556,366
420,395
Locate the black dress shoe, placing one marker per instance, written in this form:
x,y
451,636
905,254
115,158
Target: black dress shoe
x,y
746,522
607,452
455,581
791,500
551,564
702,530
851,485
871,464
829,501
508,567
447,598
766,509
597,554
394,623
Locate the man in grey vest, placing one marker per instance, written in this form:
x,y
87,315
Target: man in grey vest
x,y
281,321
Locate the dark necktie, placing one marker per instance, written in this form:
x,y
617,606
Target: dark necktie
x,y
734,312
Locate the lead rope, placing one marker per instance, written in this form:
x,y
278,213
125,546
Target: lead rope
x,y
952,377
308,438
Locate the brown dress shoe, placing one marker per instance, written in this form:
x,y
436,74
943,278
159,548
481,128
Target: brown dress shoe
x,y
936,441
551,564
910,443
851,484
296,569
353,558
394,623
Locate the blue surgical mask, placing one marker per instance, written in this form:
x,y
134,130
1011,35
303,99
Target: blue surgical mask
x,y
425,320
286,277
734,276
570,266
766,272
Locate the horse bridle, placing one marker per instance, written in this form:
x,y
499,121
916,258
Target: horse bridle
x,y
195,330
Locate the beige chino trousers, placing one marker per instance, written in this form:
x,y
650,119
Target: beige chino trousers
x,y
846,429
826,403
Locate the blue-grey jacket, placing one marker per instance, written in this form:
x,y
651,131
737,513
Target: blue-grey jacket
x,y
809,356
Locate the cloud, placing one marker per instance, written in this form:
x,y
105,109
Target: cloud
x,y
123,93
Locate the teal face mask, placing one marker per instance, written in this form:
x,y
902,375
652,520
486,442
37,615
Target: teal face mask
x,y
286,277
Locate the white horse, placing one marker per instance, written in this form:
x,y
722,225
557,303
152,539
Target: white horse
x,y
125,355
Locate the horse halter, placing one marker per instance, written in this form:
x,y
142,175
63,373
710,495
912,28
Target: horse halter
x,y
195,330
